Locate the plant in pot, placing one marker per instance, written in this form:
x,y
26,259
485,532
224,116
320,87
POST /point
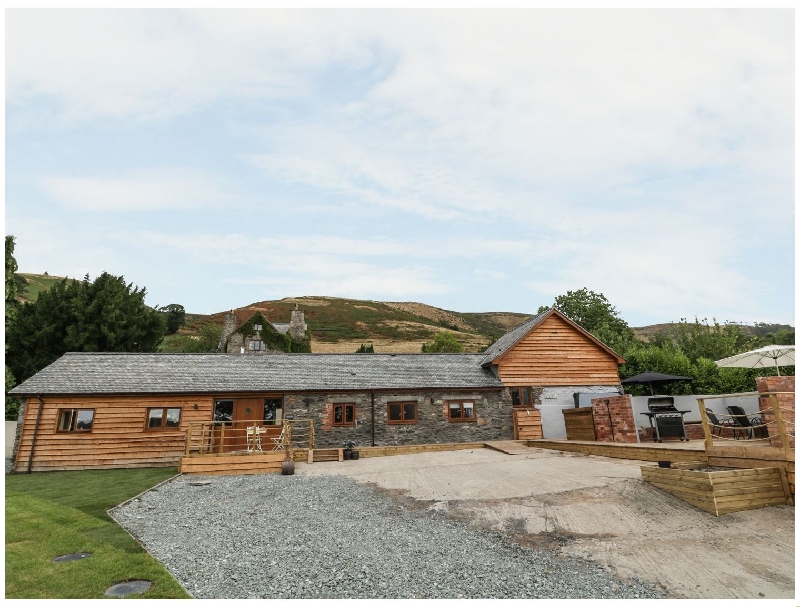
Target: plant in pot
x,y
347,447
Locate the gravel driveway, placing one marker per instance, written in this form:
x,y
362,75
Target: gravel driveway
x,y
272,536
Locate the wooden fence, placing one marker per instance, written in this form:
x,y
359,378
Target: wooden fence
x,y
223,438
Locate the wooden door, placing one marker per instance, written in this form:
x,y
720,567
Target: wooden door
x,y
247,412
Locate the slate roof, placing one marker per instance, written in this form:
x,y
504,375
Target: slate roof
x,y
122,373
281,327
509,339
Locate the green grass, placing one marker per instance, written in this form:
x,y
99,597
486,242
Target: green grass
x,y
36,284
54,513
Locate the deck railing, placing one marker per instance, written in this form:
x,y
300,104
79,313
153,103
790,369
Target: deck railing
x,y
207,438
774,427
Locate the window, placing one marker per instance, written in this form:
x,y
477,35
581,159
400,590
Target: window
x,y
75,420
163,418
461,410
257,327
223,411
256,345
402,413
521,397
344,414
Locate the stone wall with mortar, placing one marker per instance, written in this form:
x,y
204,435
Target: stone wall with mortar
x,y
493,413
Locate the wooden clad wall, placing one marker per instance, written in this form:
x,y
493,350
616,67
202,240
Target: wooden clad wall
x,y
556,354
118,438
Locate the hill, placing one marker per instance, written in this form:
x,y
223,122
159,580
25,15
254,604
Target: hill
x,y
341,325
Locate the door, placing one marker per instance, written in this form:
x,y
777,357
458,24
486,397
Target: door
x,y
247,412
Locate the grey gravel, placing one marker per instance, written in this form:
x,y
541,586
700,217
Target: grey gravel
x,y
273,536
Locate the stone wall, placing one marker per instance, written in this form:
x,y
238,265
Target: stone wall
x,y
493,412
613,419
777,383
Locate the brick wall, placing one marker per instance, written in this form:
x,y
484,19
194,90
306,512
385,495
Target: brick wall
x,y
785,402
694,431
493,412
613,419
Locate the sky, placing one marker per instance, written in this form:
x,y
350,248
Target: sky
x,y
474,160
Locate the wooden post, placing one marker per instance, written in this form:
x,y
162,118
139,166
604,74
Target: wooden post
x,y
188,438
779,421
221,437
287,441
701,404
310,434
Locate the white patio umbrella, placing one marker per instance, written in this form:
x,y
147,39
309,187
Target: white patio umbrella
x,y
779,356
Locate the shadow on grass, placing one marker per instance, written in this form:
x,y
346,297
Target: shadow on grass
x,y
55,513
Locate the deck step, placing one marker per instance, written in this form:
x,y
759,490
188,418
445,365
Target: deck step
x,y
324,455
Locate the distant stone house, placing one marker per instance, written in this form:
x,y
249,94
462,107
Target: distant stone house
x,y
110,410
257,335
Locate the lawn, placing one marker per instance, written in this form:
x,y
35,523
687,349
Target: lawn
x,y
55,513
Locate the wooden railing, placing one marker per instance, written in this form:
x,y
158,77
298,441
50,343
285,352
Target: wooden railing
x,y
766,431
207,438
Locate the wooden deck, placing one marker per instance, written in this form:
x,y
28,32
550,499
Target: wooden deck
x,y
690,451
510,447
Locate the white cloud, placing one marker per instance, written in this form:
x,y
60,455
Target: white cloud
x,y
145,190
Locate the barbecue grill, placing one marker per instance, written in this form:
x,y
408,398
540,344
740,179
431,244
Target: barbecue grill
x,y
665,419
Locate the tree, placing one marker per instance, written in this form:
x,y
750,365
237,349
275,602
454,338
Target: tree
x,y
443,341
12,306
175,315
594,312
106,315
366,349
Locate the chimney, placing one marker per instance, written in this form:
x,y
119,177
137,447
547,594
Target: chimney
x,y
227,330
297,325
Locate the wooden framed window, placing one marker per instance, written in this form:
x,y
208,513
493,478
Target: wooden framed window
x,y
521,397
402,413
256,345
75,420
344,414
461,411
163,418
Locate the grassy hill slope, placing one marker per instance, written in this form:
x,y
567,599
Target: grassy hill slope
x,y
341,325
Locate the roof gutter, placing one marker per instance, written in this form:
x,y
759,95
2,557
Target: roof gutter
x,y
35,433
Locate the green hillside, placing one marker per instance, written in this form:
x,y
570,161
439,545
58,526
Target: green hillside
x,y
340,325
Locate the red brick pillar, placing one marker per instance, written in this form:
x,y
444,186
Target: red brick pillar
x,y
613,419
784,383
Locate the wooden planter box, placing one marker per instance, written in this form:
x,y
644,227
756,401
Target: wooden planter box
x,y
725,491
579,424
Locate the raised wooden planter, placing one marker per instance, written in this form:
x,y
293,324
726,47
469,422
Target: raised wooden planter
x,y
725,491
579,424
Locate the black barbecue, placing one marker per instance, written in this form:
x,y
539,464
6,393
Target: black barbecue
x,y
666,420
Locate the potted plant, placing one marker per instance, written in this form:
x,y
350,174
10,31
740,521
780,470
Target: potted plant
x,y
347,447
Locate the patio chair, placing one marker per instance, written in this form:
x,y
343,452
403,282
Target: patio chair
x,y
717,425
748,426
254,437
279,442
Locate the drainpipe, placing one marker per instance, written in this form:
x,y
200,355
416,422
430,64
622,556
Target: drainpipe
x,y
610,421
35,433
372,397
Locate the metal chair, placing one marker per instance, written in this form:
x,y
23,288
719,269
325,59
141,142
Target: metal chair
x,y
748,426
717,425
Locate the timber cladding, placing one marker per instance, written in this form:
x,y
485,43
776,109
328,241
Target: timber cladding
x,y
554,353
722,492
118,438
